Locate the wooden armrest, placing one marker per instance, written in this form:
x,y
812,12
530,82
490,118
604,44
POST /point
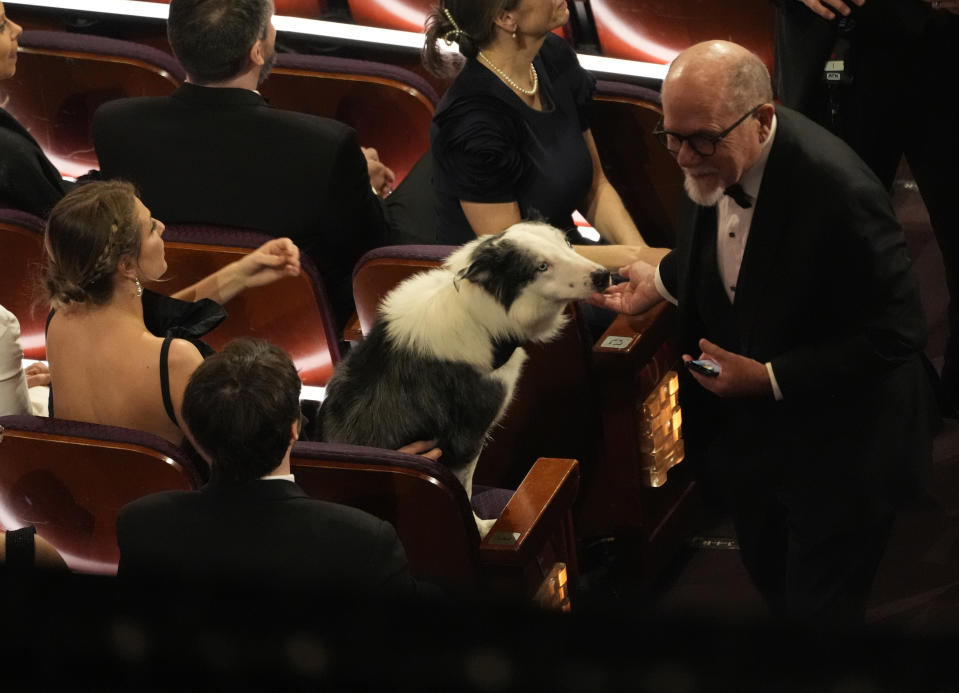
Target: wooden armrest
x,y
352,331
534,513
635,338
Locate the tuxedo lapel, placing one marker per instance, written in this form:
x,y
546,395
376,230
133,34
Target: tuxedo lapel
x,y
701,220
758,283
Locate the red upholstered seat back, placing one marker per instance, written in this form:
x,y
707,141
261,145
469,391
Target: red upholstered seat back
x,y
21,266
293,312
70,479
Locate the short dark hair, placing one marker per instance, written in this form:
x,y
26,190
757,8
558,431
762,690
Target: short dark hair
x,y
212,38
238,407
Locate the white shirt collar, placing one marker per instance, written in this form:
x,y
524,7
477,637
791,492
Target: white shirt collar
x,y
278,477
753,177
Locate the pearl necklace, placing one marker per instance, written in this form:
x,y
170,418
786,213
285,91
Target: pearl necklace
x,y
506,78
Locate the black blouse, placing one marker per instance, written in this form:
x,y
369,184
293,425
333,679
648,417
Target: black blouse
x,y
28,181
489,146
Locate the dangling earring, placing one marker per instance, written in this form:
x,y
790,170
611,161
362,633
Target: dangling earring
x,y
514,35
139,286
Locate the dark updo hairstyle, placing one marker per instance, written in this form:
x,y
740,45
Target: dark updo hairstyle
x,y
473,29
89,231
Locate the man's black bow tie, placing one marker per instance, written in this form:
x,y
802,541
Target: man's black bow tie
x,y
736,192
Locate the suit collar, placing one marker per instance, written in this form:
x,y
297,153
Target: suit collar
x,y
774,199
196,95
259,489
772,210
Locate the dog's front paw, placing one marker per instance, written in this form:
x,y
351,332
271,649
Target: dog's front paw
x,y
484,526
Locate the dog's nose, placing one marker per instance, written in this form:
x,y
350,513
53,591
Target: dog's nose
x,y
601,279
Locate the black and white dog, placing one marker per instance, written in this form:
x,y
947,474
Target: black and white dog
x,y
445,354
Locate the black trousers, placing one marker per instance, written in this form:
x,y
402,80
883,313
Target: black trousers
x,y
812,526
810,571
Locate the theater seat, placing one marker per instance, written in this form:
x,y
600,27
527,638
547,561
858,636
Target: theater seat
x,y
293,312
611,404
381,269
650,32
405,15
639,167
529,549
21,266
389,107
62,78
70,479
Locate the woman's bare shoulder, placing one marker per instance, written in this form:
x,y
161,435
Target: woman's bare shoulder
x,y
183,357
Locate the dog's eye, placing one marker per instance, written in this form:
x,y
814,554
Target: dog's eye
x,y
543,267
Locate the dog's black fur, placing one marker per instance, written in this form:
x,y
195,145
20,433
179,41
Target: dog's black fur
x,y
446,352
450,402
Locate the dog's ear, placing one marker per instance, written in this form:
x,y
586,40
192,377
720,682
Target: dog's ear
x,y
481,261
501,269
478,270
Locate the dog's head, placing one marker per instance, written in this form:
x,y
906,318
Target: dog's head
x,y
530,270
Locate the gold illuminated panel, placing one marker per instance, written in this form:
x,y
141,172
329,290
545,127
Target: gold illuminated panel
x,y
553,592
660,430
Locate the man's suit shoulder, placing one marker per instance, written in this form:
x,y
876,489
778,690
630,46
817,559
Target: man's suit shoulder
x,y
307,121
338,516
162,501
142,109
294,501
814,156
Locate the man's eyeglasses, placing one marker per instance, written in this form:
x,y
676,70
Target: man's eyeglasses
x,y
703,144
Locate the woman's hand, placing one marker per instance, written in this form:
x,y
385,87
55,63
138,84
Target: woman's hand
x,y
612,257
38,373
425,448
271,261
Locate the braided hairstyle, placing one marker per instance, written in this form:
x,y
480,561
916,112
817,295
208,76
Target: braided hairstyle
x,y
89,231
470,23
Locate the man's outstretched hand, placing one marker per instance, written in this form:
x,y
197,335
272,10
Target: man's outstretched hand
x,y
632,297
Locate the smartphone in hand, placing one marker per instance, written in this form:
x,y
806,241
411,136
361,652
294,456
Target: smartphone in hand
x,y
705,367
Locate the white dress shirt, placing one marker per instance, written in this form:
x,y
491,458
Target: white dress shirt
x,y
732,232
14,397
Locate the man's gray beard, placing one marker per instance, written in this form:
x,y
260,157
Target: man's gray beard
x,y
266,68
697,195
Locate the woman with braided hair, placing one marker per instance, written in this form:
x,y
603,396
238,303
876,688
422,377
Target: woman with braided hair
x,y
511,138
107,364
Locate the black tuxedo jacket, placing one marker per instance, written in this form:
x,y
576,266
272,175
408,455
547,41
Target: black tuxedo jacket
x,y
827,295
28,181
268,532
223,156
